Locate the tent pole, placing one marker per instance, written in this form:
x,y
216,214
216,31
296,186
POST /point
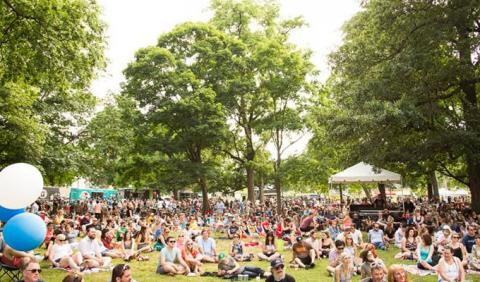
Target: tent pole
x,y
341,198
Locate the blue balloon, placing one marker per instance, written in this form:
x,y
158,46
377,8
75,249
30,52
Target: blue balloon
x,y
6,214
25,232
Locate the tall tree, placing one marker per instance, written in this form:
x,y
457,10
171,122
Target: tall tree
x,y
54,49
258,26
406,83
176,84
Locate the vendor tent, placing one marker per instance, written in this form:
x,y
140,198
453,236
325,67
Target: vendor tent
x,y
364,173
91,193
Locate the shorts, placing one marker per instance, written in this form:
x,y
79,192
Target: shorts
x,y
268,255
306,261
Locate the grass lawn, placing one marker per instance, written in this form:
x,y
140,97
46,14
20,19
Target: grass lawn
x,y
145,271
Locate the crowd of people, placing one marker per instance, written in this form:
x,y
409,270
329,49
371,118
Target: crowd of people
x,y
441,237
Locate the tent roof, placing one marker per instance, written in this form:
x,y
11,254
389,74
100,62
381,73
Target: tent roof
x,y
365,173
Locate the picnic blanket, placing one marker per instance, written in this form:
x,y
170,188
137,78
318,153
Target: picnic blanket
x,y
413,269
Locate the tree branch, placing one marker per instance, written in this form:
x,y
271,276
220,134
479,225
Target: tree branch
x,y
445,171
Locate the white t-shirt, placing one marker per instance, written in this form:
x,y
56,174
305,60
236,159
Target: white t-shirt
x,y
89,247
61,251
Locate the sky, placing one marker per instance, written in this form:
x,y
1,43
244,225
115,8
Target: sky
x,y
134,24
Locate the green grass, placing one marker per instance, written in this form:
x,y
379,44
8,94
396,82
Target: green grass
x,y
145,271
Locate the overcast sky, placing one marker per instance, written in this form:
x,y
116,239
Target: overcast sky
x,y
133,24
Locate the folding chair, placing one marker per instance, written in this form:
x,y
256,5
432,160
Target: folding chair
x,y
8,273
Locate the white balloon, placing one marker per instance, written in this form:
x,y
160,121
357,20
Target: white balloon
x,y
20,185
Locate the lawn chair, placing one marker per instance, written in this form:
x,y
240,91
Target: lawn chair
x,y
8,273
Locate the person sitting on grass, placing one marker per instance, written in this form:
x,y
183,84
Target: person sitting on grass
x,y
475,259
269,249
345,270
170,260
207,247
408,245
31,271
303,254
450,268
396,273
315,242
376,237
228,267
89,247
334,256
424,253
377,274
277,267
122,273
61,254
237,250
192,257
73,277
368,261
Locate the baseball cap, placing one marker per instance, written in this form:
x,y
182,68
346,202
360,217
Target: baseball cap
x,y
276,262
221,256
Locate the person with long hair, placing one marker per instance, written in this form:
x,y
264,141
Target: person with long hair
x,y
458,249
425,252
396,273
344,271
408,245
269,249
192,257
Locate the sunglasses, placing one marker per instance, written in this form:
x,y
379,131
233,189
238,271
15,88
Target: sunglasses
x,y
172,241
35,270
279,267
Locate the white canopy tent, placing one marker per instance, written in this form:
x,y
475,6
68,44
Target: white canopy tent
x,y
365,173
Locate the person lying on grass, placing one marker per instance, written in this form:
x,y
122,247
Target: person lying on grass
x,y
228,267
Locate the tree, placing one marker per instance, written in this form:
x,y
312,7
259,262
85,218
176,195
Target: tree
x,y
405,81
53,49
257,25
176,84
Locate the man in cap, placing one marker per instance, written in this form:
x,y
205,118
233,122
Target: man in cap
x,y
278,272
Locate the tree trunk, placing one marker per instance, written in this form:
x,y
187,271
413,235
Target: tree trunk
x,y
469,106
367,192
175,193
435,192
202,181
250,184
473,171
261,187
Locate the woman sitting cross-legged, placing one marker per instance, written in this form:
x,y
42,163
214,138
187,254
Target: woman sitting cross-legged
x,y
408,245
62,255
192,256
425,252
237,250
269,249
